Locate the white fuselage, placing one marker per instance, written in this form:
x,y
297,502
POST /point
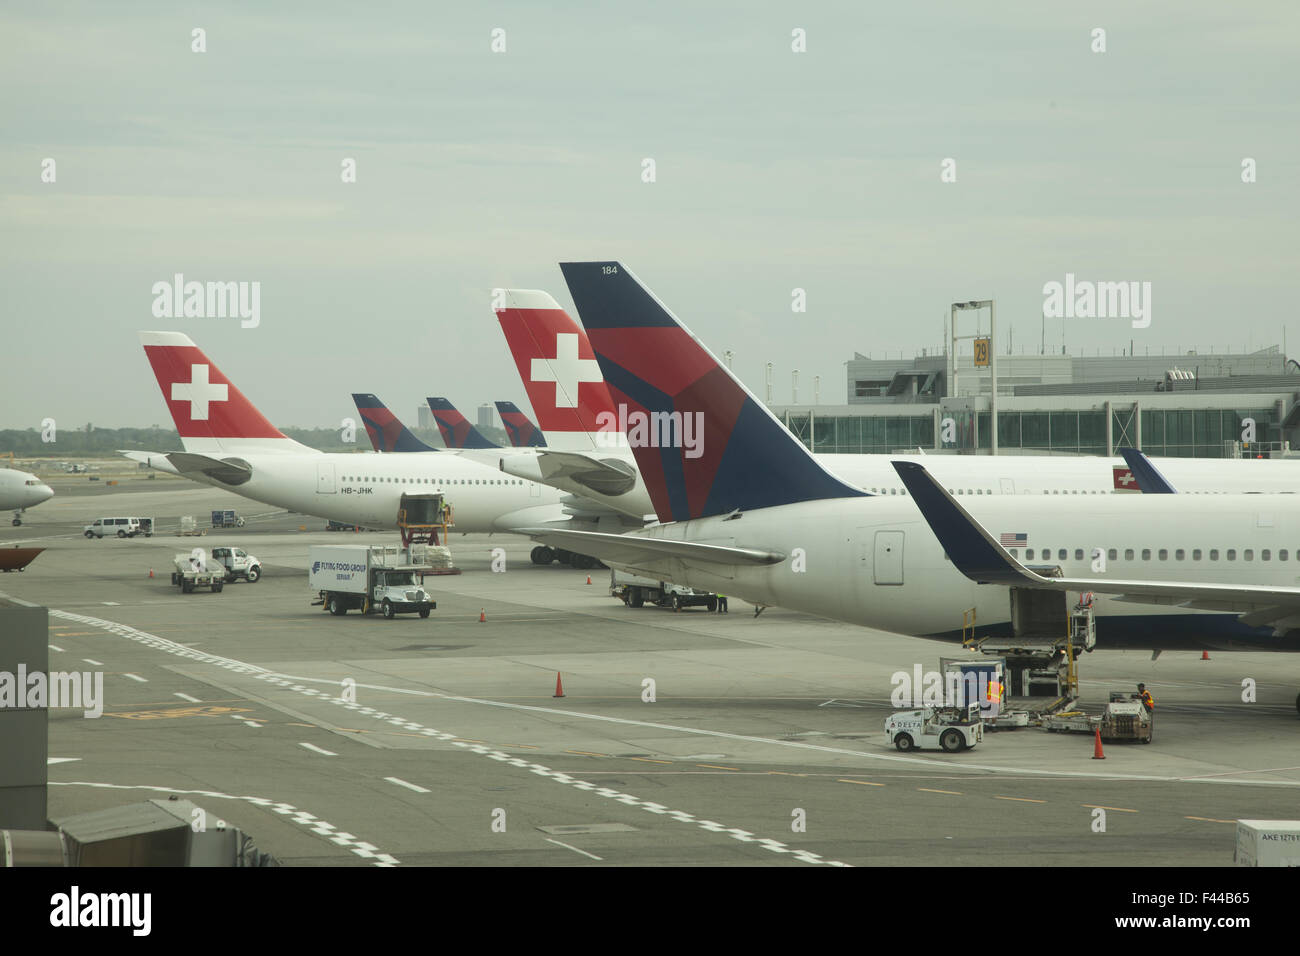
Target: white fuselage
x,y
19,490
366,489
979,475
875,562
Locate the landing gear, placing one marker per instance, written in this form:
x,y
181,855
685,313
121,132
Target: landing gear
x,y
542,555
17,520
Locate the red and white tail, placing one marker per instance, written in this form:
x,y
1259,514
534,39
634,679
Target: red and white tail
x,y
211,415
559,372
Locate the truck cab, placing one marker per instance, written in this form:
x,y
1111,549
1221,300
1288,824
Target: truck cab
x,y
238,564
951,729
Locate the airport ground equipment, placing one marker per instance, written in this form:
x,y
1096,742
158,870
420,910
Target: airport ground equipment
x,y
545,555
17,559
146,526
432,559
191,573
238,564
1267,843
1125,717
424,519
227,519
189,527
951,729
635,591
369,577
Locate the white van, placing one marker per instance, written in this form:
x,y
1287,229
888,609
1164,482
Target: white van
x,y
122,527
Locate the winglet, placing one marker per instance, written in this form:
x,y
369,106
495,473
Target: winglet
x,y
1148,476
974,552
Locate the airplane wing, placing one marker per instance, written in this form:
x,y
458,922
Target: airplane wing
x,y
639,551
153,459
1148,476
230,471
979,556
574,471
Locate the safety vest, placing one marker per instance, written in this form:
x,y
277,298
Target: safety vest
x,y
1148,700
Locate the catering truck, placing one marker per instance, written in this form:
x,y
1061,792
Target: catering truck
x,y
369,577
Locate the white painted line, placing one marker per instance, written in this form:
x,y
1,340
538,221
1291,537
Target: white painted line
x,y
111,604
192,700
252,723
54,760
55,647
409,786
573,848
91,660
315,749
142,680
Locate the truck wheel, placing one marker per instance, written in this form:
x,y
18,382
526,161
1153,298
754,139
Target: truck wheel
x,y
712,604
638,600
388,609
677,602
217,586
253,574
121,534
173,579
904,742
187,587
91,534
952,741
424,612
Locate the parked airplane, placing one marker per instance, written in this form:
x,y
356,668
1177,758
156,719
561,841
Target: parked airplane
x,y
386,431
588,453
229,444
456,429
20,491
523,433
757,516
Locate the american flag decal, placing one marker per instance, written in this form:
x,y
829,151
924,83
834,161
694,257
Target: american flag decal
x,y
1017,539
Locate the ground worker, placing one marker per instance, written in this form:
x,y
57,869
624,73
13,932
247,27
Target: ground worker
x,y
722,604
1145,696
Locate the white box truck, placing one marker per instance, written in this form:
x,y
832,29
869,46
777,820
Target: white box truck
x,y
1267,843
368,577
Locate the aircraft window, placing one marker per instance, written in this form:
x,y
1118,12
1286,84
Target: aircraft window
x,y
1265,554
1232,554
1196,554
1112,554
1179,554
1248,554
1163,554
1281,555
1061,555
979,491
1146,554
1128,554
893,491
1078,554
1214,554
1029,554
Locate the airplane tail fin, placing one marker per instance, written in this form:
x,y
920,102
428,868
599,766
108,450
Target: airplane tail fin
x,y
705,445
457,432
386,431
211,415
523,433
558,369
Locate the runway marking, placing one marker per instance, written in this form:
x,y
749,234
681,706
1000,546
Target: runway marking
x,y
294,723
93,662
1096,806
573,848
252,723
585,753
860,783
137,677
784,773
1020,799
955,793
203,711
54,760
111,604
714,766
313,823
54,647
409,786
192,700
1209,820
649,760
319,750
240,667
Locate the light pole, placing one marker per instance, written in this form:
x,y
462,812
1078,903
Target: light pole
x,y
992,359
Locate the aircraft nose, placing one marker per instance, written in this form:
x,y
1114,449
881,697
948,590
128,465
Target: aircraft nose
x,y
43,493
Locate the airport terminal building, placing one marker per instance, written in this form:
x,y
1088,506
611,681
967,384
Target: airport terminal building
x,y
1187,405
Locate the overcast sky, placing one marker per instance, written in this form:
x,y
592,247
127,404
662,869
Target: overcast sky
x,y
775,170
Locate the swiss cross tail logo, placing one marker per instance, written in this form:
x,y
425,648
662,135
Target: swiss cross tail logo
x,y
566,370
1123,478
198,391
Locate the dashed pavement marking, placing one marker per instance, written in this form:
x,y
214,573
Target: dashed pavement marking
x,y
573,848
319,750
407,784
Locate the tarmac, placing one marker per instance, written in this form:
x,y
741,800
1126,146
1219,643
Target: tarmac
x,y
683,738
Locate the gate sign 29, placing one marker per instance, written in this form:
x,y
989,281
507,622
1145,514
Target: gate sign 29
x,y
982,352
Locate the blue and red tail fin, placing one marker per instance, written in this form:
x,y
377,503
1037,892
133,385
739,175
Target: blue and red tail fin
x,y
457,432
386,432
523,433
704,444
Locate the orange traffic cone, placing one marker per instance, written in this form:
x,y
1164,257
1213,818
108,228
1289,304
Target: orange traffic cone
x,y
589,579
559,688
1096,749
1205,655
151,572
482,615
